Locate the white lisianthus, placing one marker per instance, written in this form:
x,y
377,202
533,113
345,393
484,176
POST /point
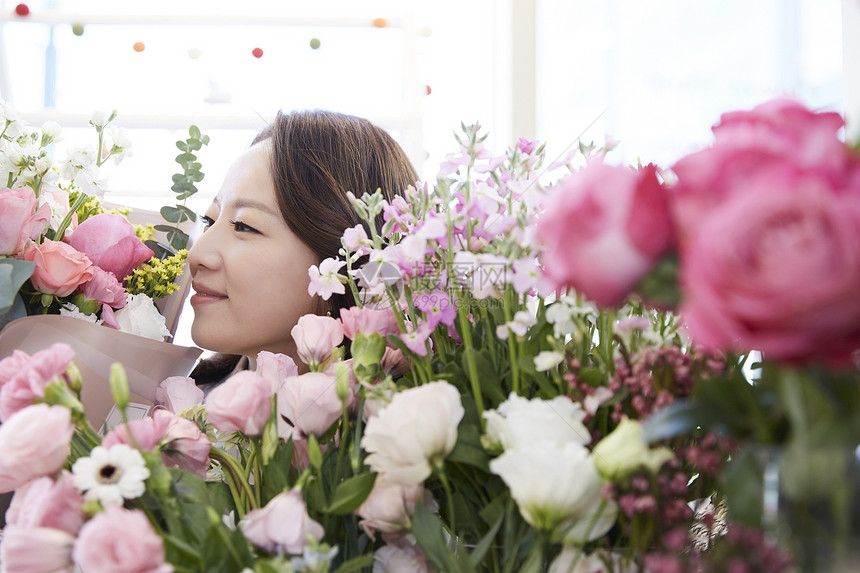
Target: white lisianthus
x,y
417,430
521,423
624,452
552,485
140,317
110,475
71,310
548,359
598,520
573,560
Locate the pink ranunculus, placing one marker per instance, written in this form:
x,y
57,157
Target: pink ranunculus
x,y
283,525
241,403
776,268
36,550
315,337
368,320
176,393
119,539
60,268
105,288
110,242
184,445
44,502
35,443
20,220
310,402
275,368
603,228
389,508
23,378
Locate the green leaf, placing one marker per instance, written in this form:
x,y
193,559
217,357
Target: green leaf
x,y
178,214
485,543
183,187
185,157
350,494
427,529
314,453
182,146
13,274
186,194
356,564
468,449
194,132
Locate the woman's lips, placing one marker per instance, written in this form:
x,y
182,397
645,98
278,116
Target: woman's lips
x,y
205,296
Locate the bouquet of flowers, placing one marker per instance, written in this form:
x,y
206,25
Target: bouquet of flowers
x,y
61,251
497,398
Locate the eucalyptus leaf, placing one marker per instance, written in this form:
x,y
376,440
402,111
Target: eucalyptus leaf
x,y
13,274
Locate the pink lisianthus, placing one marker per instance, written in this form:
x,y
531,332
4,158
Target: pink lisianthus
x,y
784,275
104,288
176,393
36,550
23,378
310,403
44,502
389,508
147,433
20,220
275,368
240,404
111,244
602,230
369,321
60,268
35,443
315,337
138,549
283,525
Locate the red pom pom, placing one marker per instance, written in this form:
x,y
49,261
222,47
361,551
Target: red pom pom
x,y
22,10
258,53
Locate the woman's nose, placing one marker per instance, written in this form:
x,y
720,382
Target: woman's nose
x,y
204,251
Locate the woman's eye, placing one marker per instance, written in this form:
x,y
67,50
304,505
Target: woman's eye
x,y
207,221
241,227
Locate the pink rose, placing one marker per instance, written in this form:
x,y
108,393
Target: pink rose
x,y
35,443
602,229
315,337
104,288
275,368
44,502
36,550
389,508
368,320
310,402
111,244
20,220
177,393
282,525
776,268
138,549
23,378
60,269
240,404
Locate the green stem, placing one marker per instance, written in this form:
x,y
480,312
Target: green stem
x,y
470,362
67,220
439,470
235,473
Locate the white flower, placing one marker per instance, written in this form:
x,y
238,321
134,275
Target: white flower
x,y
111,475
624,451
100,117
325,279
519,325
53,130
140,316
598,562
548,359
415,431
69,309
552,485
521,423
593,524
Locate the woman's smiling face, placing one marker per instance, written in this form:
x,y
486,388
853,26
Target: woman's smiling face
x,y
249,270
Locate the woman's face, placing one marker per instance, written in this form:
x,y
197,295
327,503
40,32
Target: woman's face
x,y
249,271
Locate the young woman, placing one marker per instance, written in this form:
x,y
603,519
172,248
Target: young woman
x,y
283,207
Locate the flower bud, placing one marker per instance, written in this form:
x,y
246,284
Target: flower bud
x,y
119,385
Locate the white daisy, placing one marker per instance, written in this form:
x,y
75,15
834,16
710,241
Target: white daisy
x,y
109,475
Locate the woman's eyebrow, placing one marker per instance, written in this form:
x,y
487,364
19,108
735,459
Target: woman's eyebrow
x,y
252,204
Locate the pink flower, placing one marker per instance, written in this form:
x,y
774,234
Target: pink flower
x,y
394,363
355,239
104,288
36,550
177,393
437,307
35,443
240,404
368,320
44,502
324,280
603,229
527,146
403,557
138,549
23,378
60,269
147,433
416,340
19,219
783,278
275,368
389,507
315,337
310,403
111,244
283,525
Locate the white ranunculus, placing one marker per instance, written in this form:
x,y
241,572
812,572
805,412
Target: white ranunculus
x,y
520,423
552,485
624,452
140,317
415,431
